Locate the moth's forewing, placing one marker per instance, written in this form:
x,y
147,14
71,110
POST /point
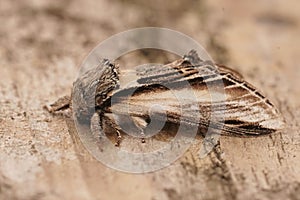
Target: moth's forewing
x,y
248,110
184,92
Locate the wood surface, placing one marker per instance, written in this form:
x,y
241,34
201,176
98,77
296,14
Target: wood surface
x,y
42,44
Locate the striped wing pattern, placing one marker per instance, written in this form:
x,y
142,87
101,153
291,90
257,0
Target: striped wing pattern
x,y
186,89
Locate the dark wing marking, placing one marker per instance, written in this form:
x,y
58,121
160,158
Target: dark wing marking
x,y
244,110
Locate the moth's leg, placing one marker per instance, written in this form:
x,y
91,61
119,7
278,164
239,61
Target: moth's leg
x,y
97,123
96,126
60,106
141,124
209,142
109,120
114,120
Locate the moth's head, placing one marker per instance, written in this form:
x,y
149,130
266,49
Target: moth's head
x,y
92,88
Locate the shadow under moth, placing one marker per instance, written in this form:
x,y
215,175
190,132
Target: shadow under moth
x,y
188,91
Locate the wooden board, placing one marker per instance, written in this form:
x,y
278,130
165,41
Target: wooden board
x,y
42,44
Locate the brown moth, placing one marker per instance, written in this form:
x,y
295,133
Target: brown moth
x,y
98,97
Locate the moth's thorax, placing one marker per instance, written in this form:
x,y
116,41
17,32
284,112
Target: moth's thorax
x,y
92,88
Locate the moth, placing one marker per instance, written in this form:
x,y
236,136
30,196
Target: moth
x,y
98,97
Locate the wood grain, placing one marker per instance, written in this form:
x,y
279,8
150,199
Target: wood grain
x,y
41,44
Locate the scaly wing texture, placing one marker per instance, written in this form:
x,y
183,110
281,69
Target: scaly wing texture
x,y
188,91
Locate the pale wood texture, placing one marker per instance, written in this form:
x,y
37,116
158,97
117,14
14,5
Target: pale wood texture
x,y
43,42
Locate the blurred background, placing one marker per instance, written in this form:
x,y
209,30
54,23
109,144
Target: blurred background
x,y
43,42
